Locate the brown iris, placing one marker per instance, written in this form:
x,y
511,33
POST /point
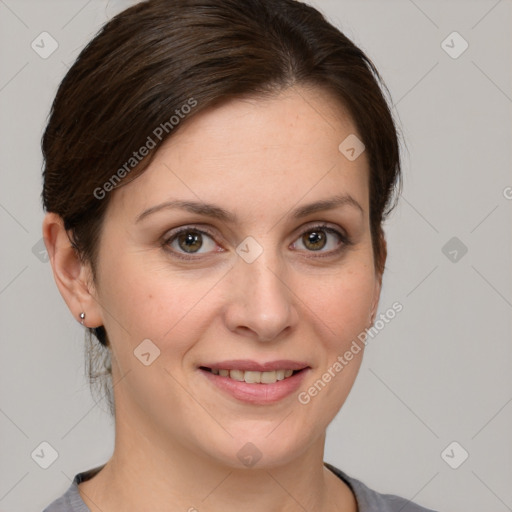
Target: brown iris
x,y
314,240
190,241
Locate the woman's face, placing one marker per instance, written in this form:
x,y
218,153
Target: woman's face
x,y
263,283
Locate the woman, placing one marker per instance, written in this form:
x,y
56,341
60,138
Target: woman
x,y
216,177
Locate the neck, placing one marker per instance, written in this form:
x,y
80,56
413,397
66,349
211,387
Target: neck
x,y
148,472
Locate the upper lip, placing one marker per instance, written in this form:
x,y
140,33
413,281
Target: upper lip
x,y
248,365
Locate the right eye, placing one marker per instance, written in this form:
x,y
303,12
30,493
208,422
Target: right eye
x,y
190,240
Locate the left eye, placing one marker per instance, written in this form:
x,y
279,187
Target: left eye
x,y
318,238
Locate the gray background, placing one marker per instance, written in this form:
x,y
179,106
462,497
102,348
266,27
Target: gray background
x,y
438,373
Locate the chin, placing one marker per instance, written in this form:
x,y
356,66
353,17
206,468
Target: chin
x,y
258,449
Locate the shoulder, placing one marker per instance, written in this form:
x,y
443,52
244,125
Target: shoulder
x,y
369,500
71,501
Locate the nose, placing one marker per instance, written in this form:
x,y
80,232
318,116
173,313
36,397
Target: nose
x,y
262,304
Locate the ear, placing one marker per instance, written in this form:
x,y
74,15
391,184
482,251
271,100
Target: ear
x,y
73,278
379,271
375,301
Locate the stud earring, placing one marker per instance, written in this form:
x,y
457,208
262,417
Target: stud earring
x,y
82,317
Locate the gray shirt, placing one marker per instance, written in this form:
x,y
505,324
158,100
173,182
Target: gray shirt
x,y
367,500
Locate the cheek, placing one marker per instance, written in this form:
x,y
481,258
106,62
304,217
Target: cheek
x,y
148,301
339,310
342,304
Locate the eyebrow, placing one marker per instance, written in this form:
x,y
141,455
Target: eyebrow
x,y
214,211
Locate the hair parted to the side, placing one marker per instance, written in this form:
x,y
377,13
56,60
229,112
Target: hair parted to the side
x,y
133,79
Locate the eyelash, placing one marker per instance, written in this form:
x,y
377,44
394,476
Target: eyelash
x,y
344,239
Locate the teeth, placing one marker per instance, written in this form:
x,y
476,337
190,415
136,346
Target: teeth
x,y
254,377
267,377
236,375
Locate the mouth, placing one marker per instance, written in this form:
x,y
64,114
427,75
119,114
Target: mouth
x,y
256,383
253,377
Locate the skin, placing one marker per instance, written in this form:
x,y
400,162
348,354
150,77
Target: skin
x,y
177,435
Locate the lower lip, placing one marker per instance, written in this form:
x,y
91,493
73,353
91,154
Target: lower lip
x,y
261,394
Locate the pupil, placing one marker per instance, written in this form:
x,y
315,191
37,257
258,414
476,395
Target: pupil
x,y
191,242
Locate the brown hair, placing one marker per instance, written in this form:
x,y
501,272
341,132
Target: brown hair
x,y
131,83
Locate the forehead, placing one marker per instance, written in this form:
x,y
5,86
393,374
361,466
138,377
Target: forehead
x,y
254,154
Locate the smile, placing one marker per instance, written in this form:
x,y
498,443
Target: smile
x,y
256,384
253,377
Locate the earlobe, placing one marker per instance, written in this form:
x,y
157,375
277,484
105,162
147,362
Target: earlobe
x,y
72,276
379,274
